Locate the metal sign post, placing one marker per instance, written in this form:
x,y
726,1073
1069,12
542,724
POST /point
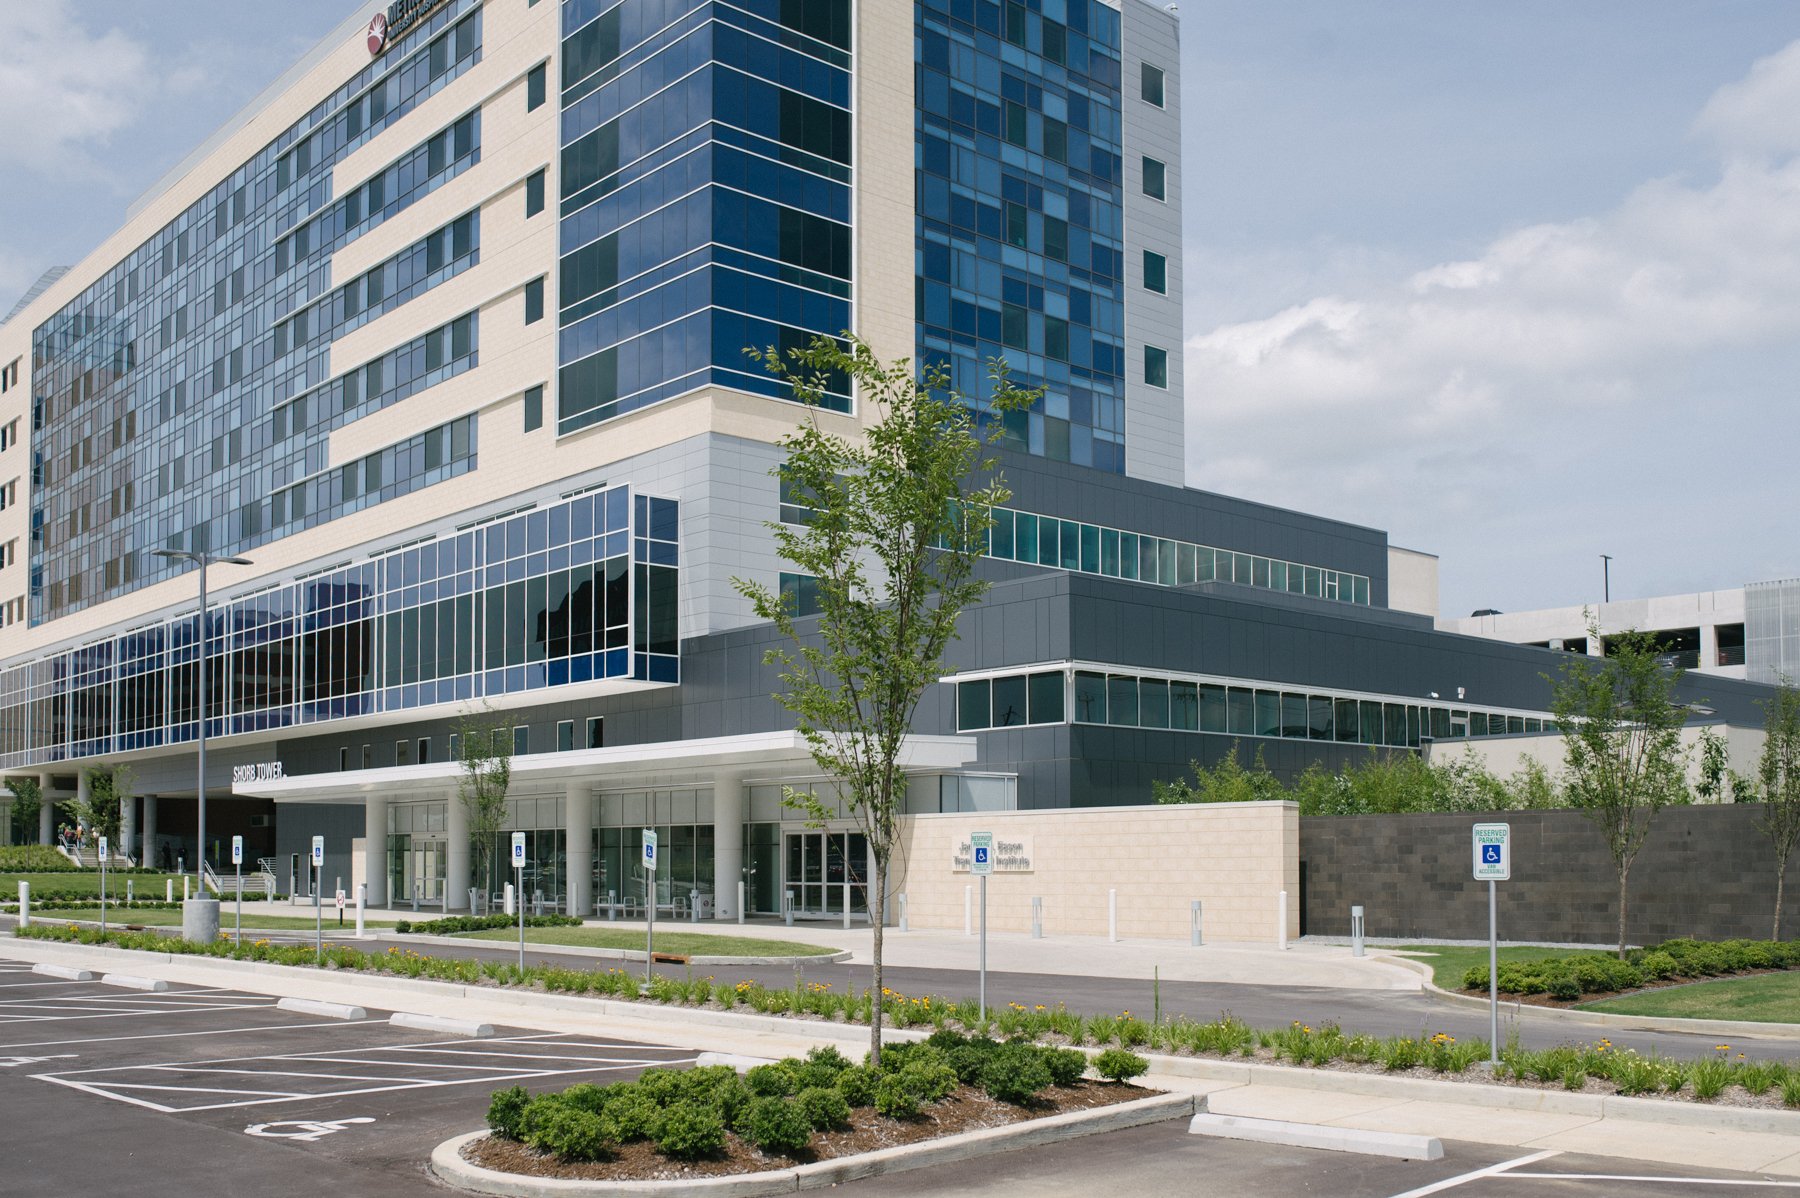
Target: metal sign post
x,y
649,900
981,864
318,864
1493,864
518,863
237,861
103,885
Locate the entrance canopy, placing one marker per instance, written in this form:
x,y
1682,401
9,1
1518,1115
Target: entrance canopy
x,y
662,763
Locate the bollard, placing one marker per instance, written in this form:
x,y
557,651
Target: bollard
x,y
507,899
1356,931
184,888
1112,916
130,892
846,904
1037,919
24,904
416,889
472,893
903,924
693,906
740,910
1194,923
787,907
362,902
612,906
1281,922
537,905
168,890
968,910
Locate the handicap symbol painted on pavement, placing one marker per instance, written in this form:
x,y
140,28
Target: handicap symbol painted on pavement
x,y
1490,854
310,1130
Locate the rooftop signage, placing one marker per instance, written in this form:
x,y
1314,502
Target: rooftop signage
x,y
388,27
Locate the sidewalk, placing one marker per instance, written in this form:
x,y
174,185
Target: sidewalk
x,y
1645,1129
1302,965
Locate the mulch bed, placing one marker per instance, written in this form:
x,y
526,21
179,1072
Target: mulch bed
x,y
968,1109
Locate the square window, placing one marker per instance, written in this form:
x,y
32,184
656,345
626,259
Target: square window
x,y
1151,85
534,194
1156,273
535,88
596,732
534,409
565,736
521,740
534,301
1156,366
1155,179
424,750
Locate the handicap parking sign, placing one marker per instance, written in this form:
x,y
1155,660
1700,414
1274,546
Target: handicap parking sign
x,y
1493,852
981,853
1490,854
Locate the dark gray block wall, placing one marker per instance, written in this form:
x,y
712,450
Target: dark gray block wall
x,y
1704,872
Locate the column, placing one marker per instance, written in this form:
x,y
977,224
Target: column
x,y
728,843
46,811
456,855
150,856
375,839
578,827
1709,646
128,825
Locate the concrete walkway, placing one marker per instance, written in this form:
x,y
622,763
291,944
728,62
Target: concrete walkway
x,y
1644,1129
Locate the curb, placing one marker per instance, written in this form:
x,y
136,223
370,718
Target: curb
x,y
325,1010
1318,1135
609,954
1604,1019
448,1165
67,973
440,1023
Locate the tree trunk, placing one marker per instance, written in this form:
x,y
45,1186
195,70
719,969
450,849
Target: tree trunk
x,y
1780,882
877,916
1623,875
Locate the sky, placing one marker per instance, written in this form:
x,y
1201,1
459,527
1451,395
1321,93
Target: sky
x,y
1516,282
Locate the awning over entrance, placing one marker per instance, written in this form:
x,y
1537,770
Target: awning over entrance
x,y
661,763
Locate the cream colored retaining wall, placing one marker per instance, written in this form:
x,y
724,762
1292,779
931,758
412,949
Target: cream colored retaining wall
x,y
1236,858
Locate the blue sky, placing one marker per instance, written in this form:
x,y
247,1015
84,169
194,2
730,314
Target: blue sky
x,y
1514,281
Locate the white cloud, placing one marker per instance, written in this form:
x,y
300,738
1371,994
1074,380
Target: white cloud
x,y
1560,348
65,91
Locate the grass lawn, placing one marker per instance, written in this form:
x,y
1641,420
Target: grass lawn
x,y
1764,998
1450,961
687,943
88,882
116,917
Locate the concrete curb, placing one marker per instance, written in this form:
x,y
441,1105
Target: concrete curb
x,y
611,954
441,1023
448,1165
1318,1135
325,1010
128,981
1604,1019
67,973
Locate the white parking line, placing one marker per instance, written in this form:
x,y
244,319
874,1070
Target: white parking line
x,y
217,1031
1667,1181
1504,1167
381,1068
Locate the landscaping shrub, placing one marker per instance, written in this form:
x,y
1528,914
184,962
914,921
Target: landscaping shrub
x,y
1118,1065
585,1096
35,859
536,1115
481,923
1066,1065
824,1107
691,1130
776,1125
505,1109
571,1133
899,1095
771,1081
1570,978
857,1085
631,1113
1015,1073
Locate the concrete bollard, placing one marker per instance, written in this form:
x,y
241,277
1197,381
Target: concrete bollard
x,y
904,926
693,906
417,886
184,888
507,899
1112,916
1037,919
740,906
537,904
24,904
130,893
362,902
787,907
846,905
1194,923
168,890
968,910
612,906
1356,931
473,893
1281,939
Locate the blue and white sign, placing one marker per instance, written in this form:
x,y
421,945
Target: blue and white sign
x,y
649,850
981,854
318,856
518,850
103,853
237,850
1493,852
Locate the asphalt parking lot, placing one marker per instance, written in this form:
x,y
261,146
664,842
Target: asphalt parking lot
x,y
202,1091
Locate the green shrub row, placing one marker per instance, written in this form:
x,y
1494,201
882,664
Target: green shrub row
x,y
1573,977
34,859
1227,1036
481,923
92,902
778,1107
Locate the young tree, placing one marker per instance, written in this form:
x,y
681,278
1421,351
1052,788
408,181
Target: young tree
x,y
1621,729
1710,786
28,800
102,813
1779,778
895,529
484,750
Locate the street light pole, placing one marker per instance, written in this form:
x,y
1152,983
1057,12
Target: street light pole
x,y
1606,578
204,924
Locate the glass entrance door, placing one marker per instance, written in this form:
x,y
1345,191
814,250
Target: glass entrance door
x,y
817,866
